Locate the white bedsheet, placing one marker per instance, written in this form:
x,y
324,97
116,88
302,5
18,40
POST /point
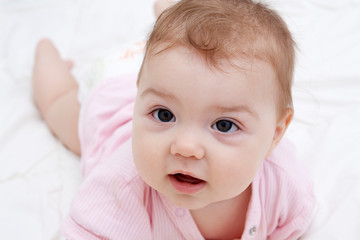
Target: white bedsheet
x,y
38,176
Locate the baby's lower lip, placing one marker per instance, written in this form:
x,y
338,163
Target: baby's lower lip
x,y
186,184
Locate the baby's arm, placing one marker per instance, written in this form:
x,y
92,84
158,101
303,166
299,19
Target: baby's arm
x,y
55,94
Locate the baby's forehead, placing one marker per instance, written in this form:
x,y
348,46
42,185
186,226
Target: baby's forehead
x,y
226,64
164,64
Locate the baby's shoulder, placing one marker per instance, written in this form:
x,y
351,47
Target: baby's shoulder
x,y
286,192
283,165
122,164
119,171
111,197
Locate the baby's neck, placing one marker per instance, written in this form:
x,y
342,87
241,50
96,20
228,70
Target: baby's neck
x,y
225,219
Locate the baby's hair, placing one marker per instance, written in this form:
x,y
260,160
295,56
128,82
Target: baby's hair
x,y
226,29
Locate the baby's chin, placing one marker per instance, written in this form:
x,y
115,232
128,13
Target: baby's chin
x,y
192,202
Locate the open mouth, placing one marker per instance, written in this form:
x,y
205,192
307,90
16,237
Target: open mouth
x,y
185,183
187,178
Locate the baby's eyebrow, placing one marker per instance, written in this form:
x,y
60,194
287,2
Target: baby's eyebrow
x,y
216,108
236,108
153,91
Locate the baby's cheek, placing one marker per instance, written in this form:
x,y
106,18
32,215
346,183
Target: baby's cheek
x,y
237,165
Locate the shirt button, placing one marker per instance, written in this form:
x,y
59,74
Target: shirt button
x,y
252,230
180,212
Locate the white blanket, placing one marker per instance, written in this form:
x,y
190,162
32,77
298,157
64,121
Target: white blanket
x,y
38,176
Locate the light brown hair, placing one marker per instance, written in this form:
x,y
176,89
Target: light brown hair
x,y
225,29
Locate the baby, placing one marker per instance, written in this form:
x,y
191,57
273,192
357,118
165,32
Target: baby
x,y
193,149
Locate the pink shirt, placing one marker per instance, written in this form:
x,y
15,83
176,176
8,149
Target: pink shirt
x,y
114,202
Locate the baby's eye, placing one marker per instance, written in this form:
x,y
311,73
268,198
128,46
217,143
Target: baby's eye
x,y
225,126
163,115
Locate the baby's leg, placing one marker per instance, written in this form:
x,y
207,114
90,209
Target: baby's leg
x,y
55,94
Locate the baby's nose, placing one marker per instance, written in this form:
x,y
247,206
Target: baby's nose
x,y
188,144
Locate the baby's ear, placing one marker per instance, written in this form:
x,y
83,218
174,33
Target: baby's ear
x,y
280,129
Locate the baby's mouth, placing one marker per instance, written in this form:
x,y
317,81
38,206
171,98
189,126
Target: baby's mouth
x,y
187,178
185,183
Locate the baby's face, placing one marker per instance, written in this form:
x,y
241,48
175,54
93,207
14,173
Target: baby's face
x,y
199,134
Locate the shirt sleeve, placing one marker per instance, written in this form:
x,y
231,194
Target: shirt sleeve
x,y
108,207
